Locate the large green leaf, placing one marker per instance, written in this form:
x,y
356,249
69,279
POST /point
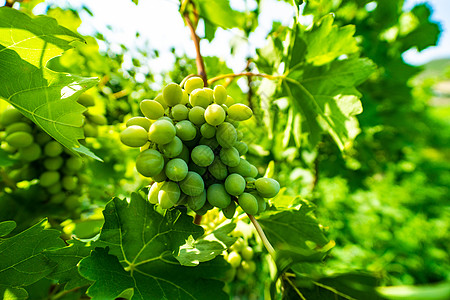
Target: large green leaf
x,y
67,258
145,243
23,262
46,97
206,248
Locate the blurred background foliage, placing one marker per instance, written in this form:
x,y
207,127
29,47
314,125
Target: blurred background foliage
x,y
384,201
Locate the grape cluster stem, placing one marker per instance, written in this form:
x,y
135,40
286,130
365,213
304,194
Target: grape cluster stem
x,y
262,235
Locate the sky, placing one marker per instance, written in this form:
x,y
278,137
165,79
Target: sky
x,y
160,24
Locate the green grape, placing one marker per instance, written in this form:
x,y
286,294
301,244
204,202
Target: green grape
x,y
153,192
74,164
229,101
240,135
53,163
19,126
53,148
197,202
161,176
183,199
30,153
149,163
97,119
42,138
197,169
193,83
218,170
176,169
211,143
226,135
10,116
185,98
261,202
247,253
184,154
49,178
230,156
172,149
90,130
72,202
239,112
230,210
229,275
162,132
139,121
185,130
202,155
19,139
134,136
234,259
200,97
180,112
69,183
248,203
84,179
168,195
58,198
167,119
218,196
220,94
235,184
86,100
152,109
254,171
197,115
172,94
248,266
243,168
54,189
241,147
160,99
214,115
267,187
192,184
207,131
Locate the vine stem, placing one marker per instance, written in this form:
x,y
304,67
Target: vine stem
x,y
248,74
262,235
195,38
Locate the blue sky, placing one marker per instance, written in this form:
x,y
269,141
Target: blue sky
x,y
160,25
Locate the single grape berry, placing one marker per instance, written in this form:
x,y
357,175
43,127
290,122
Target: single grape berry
x,y
197,202
202,155
161,132
185,130
230,156
220,94
218,196
152,109
176,169
139,121
200,97
168,194
208,131
172,94
193,83
19,139
153,192
248,203
192,184
214,115
226,135
239,112
172,149
197,115
53,148
230,210
267,187
235,184
134,136
180,112
149,163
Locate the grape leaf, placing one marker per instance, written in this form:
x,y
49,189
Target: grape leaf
x,y
206,248
145,243
22,260
12,293
46,97
67,258
293,228
6,227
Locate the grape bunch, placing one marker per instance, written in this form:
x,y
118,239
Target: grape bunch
x,y
193,151
38,156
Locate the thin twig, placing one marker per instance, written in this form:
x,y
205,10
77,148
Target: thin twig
x,y
263,237
233,75
196,40
198,219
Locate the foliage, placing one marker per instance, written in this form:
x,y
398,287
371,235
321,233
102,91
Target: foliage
x,y
376,181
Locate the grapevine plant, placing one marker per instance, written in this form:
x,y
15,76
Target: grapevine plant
x,y
197,147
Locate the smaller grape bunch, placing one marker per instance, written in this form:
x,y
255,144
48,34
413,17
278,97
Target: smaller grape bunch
x,y
38,156
92,121
192,149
